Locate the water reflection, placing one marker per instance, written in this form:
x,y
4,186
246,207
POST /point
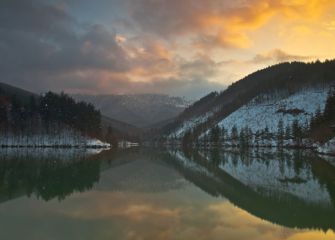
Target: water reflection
x,y
290,188
146,194
47,173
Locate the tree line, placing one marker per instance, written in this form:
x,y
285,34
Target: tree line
x,y
50,113
245,137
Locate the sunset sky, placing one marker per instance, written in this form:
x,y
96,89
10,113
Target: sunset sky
x,y
177,47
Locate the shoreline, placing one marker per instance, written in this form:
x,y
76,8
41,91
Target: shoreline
x,y
57,146
291,147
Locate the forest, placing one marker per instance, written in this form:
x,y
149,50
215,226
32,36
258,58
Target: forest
x,y
49,114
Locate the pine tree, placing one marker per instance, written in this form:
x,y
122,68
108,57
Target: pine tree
x,y
249,136
215,134
329,112
318,116
280,133
288,135
266,133
257,138
296,132
234,134
242,138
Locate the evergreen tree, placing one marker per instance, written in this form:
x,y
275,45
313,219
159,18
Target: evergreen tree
x,y
329,112
288,135
318,117
215,134
280,133
266,134
242,138
248,136
257,138
297,132
234,134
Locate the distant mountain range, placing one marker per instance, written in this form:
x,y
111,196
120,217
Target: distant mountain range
x,y
128,115
121,129
140,110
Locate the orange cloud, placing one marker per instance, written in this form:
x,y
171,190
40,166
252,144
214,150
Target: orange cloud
x,y
221,23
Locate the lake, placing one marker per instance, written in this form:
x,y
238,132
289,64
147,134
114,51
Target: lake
x,y
166,194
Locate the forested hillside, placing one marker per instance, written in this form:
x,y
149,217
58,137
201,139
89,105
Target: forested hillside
x,y
260,97
49,119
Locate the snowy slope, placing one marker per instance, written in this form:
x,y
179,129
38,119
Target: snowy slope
x,y
266,111
189,125
258,115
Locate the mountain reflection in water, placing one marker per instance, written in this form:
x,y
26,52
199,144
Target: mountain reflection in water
x,y
165,194
291,188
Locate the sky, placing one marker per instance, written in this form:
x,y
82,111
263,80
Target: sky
x,y
176,47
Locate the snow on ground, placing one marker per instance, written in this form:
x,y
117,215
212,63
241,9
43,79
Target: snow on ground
x,y
54,154
96,143
327,148
62,139
268,113
189,124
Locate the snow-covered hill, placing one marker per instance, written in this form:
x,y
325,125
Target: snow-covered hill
x,y
189,125
267,111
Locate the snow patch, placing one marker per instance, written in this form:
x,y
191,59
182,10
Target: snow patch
x,y
258,115
327,148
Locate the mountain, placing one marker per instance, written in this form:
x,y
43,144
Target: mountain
x,y
140,110
290,92
120,128
19,93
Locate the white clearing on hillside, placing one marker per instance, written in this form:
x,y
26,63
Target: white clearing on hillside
x,y
189,125
267,113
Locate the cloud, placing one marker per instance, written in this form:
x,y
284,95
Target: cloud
x,y
278,55
45,47
218,23
164,46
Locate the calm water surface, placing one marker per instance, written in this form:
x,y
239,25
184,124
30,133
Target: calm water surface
x,y
145,194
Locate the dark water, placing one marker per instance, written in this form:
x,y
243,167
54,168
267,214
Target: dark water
x,y
146,194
